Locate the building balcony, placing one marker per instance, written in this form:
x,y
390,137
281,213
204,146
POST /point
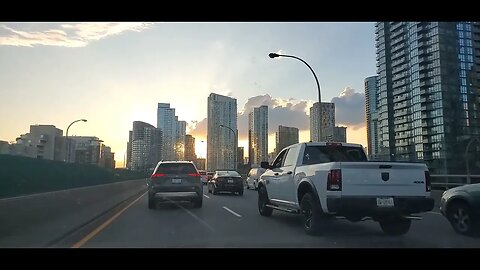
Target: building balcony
x,y
398,84
398,55
400,113
401,121
397,40
397,48
396,25
398,61
399,90
401,105
402,144
404,128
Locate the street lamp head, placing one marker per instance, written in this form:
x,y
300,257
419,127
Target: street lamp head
x,y
84,120
273,55
222,125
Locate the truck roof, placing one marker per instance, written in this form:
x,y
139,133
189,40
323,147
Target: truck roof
x,y
332,143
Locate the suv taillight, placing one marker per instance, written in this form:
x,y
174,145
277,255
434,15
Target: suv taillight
x,y
428,181
157,175
334,180
194,174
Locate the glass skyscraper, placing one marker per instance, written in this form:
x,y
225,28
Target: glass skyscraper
x,y
428,92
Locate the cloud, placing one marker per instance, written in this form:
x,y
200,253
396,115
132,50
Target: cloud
x,y
287,112
350,108
68,35
197,128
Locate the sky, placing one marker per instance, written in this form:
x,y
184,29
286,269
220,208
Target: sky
x,y
115,73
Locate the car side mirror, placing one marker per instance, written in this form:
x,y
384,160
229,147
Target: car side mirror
x,y
265,165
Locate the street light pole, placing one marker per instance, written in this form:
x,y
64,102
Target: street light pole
x,y
66,137
274,55
234,145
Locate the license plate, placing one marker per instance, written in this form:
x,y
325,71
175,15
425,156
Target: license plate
x,y
385,202
176,181
230,181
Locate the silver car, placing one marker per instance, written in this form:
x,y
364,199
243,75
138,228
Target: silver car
x,y
175,181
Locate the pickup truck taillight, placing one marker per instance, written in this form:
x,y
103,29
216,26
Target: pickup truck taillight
x,y
334,180
428,182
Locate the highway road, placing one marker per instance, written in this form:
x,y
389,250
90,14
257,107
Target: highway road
x,y
227,220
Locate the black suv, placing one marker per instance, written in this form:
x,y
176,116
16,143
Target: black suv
x,y
175,180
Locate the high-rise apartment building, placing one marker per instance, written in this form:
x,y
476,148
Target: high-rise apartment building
x,y
371,111
428,92
285,136
221,142
258,135
322,123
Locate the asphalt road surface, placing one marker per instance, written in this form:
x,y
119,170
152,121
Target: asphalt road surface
x,y
227,220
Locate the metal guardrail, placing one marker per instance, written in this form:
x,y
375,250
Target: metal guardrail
x,y
452,180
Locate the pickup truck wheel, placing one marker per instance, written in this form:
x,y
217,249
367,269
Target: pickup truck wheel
x,y
395,226
312,214
460,217
262,202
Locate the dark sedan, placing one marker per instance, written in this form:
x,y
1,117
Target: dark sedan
x,y
461,206
229,181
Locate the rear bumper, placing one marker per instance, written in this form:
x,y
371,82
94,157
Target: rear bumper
x,y
367,206
176,194
229,187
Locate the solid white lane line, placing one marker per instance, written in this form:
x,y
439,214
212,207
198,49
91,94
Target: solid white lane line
x,y
231,211
206,196
437,213
194,216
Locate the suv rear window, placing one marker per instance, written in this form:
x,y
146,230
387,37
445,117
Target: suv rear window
x,y
176,168
323,154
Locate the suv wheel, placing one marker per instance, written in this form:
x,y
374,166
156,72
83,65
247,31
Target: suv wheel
x,y
263,201
151,202
395,226
198,203
460,216
313,220
240,192
214,190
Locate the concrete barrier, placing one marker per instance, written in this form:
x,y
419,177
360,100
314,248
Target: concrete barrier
x,y
37,220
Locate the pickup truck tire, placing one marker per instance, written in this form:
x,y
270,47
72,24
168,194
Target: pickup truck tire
x,y
395,226
313,219
263,201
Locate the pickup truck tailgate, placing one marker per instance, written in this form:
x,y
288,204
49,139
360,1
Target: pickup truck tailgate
x,y
383,179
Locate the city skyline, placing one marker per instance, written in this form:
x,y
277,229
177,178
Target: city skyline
x,y
115,73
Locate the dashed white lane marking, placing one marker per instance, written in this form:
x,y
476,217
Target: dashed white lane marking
x,y
206,196
231,211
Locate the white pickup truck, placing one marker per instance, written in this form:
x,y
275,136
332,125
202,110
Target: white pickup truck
x,y
323,180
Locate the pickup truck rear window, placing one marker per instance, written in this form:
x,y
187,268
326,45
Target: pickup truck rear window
x,y
323,154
